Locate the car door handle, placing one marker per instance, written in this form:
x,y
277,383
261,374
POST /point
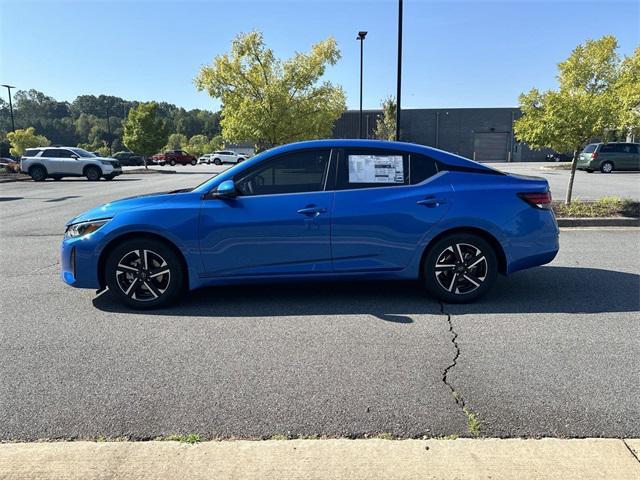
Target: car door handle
x,y
312,211
431,202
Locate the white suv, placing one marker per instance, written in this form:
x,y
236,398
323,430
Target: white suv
x,y
58,162
224,156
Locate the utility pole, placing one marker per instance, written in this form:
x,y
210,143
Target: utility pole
x,y
13,125
361,36
398,87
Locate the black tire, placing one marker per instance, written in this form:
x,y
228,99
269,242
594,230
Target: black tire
x,y
144,288
92,173
606,167
194,162
172,163
38,173
109,177
217,161
56,177
461,281
588,170
208,162
241,159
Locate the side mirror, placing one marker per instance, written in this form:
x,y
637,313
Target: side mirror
x,y
226,189
75,157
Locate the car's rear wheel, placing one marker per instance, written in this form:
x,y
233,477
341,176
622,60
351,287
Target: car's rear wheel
x,y
217,161
606,167
38,173
460,268
172,163
93,174
194,162
144,273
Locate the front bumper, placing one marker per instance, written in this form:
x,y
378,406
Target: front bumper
x,y
79,262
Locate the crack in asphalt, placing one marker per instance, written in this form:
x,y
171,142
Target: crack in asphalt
x,y
473,424
631,450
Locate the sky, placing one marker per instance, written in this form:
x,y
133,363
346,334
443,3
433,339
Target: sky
x,y
456,53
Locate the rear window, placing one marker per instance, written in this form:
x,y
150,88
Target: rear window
x,y
590,148
31,152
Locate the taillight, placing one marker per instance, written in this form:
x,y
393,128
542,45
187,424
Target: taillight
x,y
537,199
594,155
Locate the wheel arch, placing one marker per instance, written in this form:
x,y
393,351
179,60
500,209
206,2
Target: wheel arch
x,y
37,165
492,240
147,235
91,165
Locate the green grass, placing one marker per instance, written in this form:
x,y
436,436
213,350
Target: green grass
x,y
190,438
473,424
604,207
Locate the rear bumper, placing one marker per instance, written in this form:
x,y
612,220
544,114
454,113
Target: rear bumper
x,y
535,243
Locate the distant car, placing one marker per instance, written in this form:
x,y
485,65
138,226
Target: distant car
x,y
206,158
608,157
173,157
227,156
7,161
129,159
324,210
559,157
59,162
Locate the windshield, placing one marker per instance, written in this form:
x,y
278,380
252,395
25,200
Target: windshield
x,y
590,148
82,152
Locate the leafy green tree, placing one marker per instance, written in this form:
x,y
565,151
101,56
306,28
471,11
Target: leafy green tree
x,y
583,108
386,125
22,139
144,132
176,141
198,144
270,101
627,90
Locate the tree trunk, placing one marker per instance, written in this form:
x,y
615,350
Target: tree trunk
x,y
574,164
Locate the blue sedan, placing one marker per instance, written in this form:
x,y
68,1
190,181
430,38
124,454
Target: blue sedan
x,y
319,210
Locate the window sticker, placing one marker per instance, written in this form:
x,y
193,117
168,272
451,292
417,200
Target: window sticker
x,y
376,169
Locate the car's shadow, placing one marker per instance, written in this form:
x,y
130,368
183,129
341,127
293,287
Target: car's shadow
x,y
547,289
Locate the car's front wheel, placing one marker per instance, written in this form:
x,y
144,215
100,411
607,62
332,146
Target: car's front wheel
x,y
144,273
93,174
460,268
194,162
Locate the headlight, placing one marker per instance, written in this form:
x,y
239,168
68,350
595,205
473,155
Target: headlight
x,y
105,162
84,228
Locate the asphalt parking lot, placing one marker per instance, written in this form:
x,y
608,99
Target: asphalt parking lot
x,y
586,186
551,351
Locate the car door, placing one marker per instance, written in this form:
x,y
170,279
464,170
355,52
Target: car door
x,y
627,156
385,204
278,224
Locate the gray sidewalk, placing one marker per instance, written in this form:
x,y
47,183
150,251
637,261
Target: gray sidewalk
x,y
494,459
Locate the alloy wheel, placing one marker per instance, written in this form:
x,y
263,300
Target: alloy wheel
x,y
143,275
461,268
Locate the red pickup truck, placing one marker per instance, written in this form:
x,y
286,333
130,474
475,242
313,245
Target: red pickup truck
x,y
173,157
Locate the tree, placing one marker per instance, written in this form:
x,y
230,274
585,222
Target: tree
x,y
627,89
22,139
198,144
584,107
144,132
176,141
270,101
386,125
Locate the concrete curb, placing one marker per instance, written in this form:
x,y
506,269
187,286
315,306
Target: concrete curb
x,y
146,171
599,222
11,178
321,459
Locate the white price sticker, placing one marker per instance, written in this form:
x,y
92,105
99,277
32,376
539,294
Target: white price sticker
x,y
376,169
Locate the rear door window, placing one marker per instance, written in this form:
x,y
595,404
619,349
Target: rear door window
x,y
422,167
371,168
31,152
612,148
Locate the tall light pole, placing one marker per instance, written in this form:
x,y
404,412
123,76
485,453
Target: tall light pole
x,y
9,87
398,87
361,36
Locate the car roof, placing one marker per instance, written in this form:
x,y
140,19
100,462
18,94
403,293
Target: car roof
x,y
435,153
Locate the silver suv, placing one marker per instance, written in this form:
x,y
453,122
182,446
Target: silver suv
x,y
58,162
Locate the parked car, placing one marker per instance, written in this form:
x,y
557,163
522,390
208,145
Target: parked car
x,y
559,157
324,209
608,157
129,159
7,161
206,158
227,156
173,157
59,162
